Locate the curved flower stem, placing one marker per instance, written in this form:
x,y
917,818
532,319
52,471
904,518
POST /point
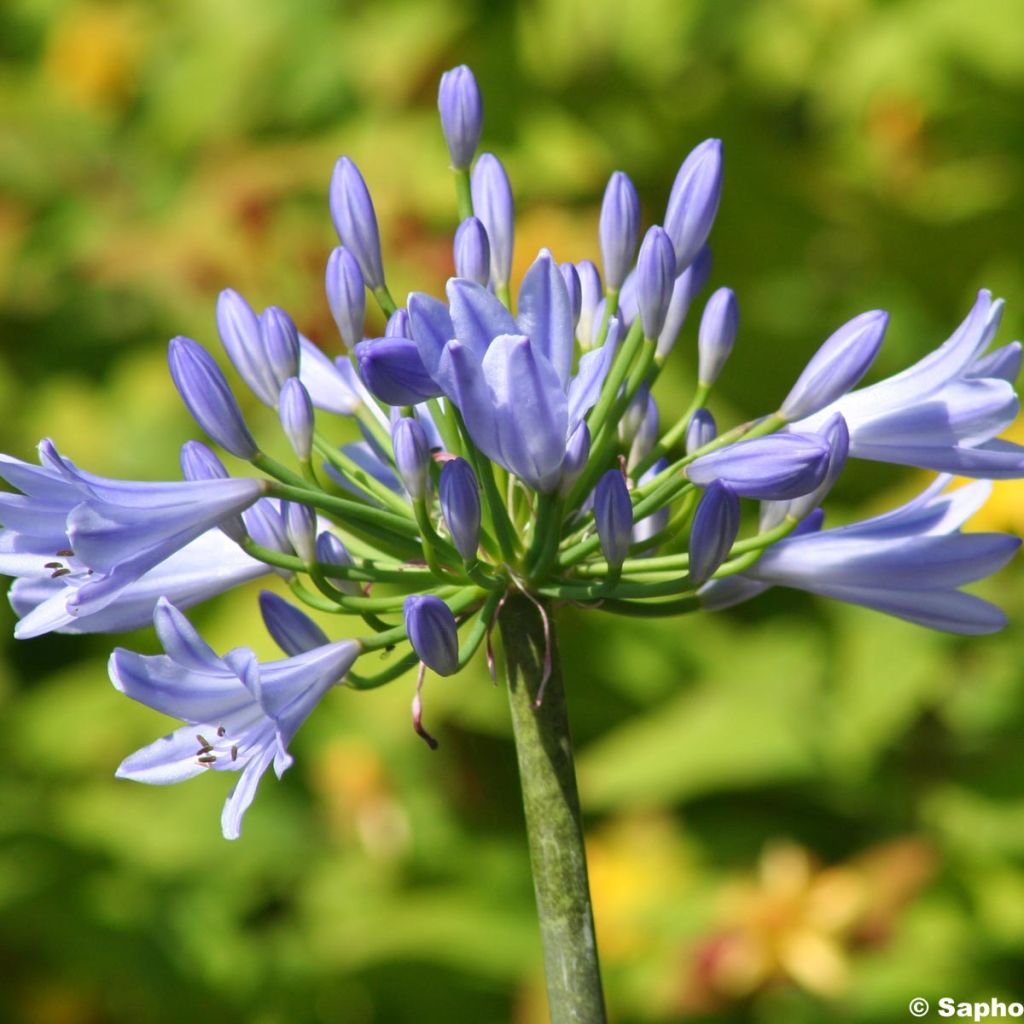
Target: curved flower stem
x,y
463,194
553,825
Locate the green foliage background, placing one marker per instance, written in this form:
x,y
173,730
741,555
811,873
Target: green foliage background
x,y
152,153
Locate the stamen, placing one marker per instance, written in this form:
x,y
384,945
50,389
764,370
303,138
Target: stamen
x,y
207,759
204,744
57,573
53,565
221,730
65,553
417,711
234,753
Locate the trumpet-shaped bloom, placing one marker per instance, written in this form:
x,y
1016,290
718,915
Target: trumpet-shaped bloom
x,y
240,715
943,412
97,537
909,563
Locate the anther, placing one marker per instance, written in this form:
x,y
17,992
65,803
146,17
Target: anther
x,y
206,758
53,565
221,730
65,553
57,573
234,753
204,743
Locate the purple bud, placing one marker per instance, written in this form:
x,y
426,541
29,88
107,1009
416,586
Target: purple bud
x,y
239,329
619,229
773,468
717,335
392,369
591,291
837,366
837,434
613,516
492,202
206,394
460,505
280,341
655,279
646,434
693,202
292,630
577,451
634,414
266,527
296,411
331,551
398,325
346,295
199,463
355,220
653,524
701,430
462,113
433,633
300,529
472,251
572,286
715,525
412,456
686,287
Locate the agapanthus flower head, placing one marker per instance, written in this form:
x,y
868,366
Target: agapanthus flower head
x,y
563,475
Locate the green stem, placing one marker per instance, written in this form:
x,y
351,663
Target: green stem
x,y
553,822
463,194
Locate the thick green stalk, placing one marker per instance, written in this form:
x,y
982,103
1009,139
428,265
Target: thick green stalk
x,y
553,824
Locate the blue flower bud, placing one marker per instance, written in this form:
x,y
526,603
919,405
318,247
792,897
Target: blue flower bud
x,y
208,397
355,220
572,287
300,529
433,633
492,203
686,287
239,329
634,414
462,113
693,202
701,430
292,630
577,451
717,335
412,456
266,527
837,434
199,463
591,292
459,497
646,434
472,251
837,366
715,526
613,517
773,468
331,551
280,340
346,295
619,228
393,370
655,280
398,325
297,418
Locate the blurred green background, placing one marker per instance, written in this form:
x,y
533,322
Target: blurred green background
x,y
797,812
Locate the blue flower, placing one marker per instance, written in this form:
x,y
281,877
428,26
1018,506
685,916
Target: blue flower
x,y
86,540
943,412
240,715
909,563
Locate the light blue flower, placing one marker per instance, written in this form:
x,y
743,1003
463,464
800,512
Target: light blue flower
x,y
240,715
